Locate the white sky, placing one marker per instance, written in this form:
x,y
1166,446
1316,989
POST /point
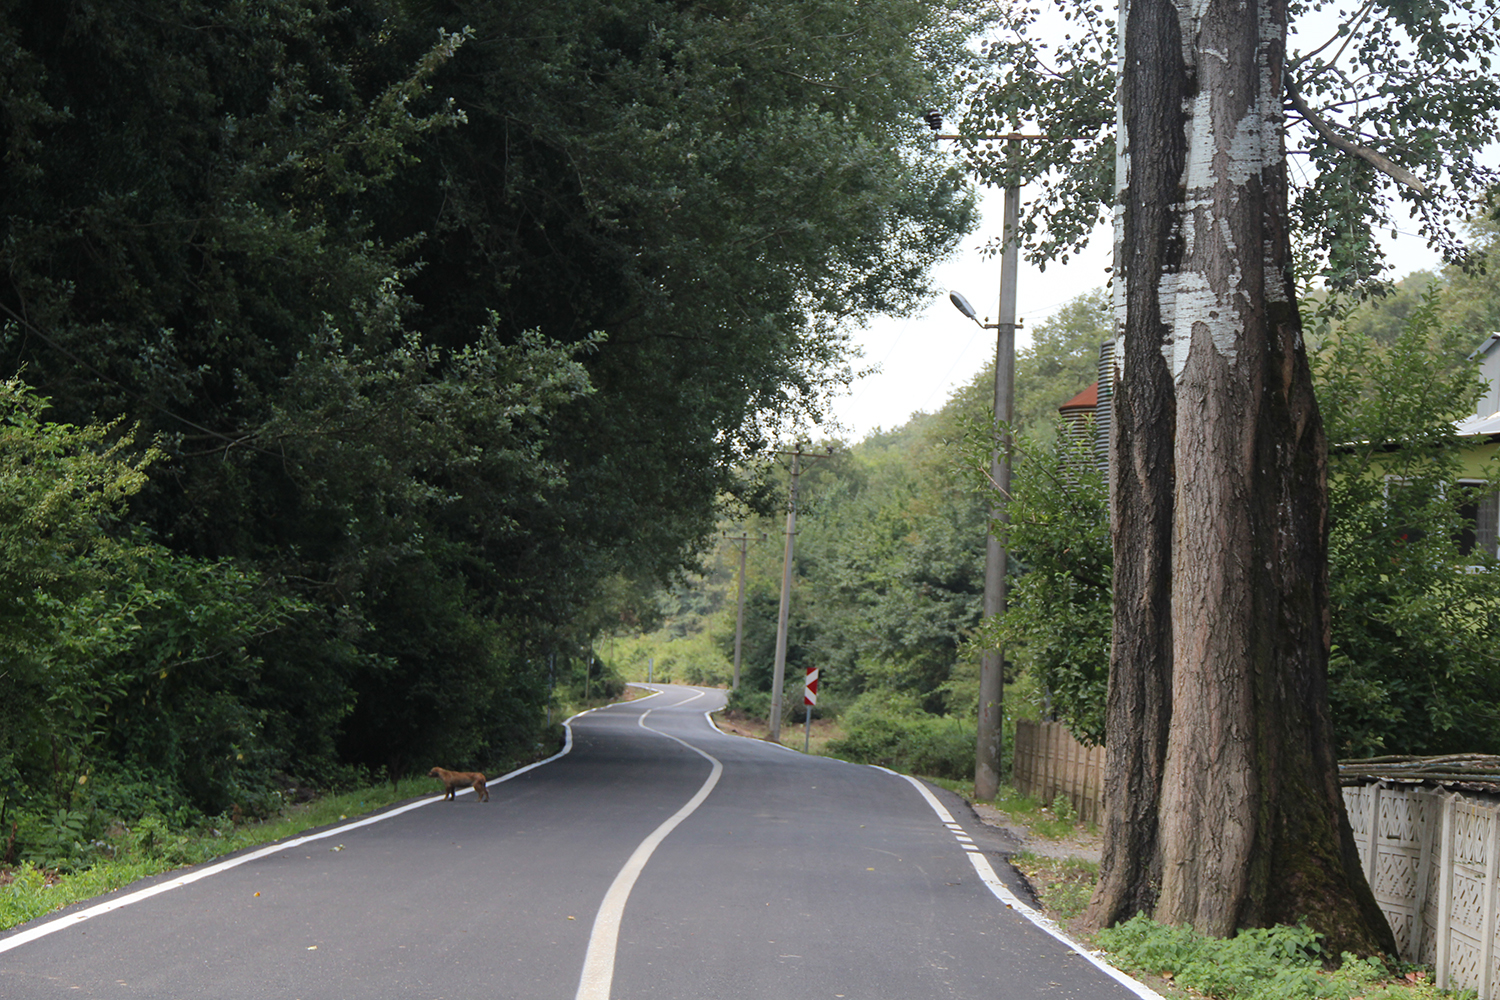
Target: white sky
x,y
923,359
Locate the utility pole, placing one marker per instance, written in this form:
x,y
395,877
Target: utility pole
x,y
779,674
989,739
741,542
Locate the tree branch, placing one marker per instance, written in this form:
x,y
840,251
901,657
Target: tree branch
x,y
1394,170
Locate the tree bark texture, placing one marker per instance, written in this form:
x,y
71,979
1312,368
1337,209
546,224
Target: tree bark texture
x,y
1224,808
1139,703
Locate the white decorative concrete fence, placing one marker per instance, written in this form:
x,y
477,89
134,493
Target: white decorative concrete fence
x,y
1433,859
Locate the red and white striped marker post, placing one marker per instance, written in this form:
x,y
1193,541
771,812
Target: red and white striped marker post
x,y
809,699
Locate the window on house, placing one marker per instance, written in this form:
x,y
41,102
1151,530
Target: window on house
x,y
1481,515
1479,511
1404,501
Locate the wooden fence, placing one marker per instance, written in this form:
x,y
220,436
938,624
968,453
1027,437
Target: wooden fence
x,y
1049,762
1432,858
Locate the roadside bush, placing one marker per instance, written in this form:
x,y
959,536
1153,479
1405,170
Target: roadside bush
x,y
585,685
751,704
693,660
884,729
60,841
757,705
1414,667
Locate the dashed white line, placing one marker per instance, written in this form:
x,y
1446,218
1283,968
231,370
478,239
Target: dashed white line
x,y
992,881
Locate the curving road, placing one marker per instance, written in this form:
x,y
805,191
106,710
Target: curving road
x,y
654,858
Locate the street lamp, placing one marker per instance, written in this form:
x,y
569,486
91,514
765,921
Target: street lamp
x,y
988,740
968,310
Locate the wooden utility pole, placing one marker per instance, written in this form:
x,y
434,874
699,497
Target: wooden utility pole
x,y
779,674
989,742
742,542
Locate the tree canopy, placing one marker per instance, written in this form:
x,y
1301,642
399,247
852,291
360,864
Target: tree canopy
x,y
1390,114
447,321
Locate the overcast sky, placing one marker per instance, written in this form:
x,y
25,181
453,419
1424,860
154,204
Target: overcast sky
x,y
923,359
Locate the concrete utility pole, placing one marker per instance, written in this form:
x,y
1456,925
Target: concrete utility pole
x,y
742,542
988,742
779,675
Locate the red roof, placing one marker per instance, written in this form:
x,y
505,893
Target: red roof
x,y
1088,399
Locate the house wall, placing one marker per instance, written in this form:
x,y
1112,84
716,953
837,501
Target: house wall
x,y
1488,357
1478,459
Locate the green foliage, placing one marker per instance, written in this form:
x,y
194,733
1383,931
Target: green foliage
x,y
585,682
1056,629
1383,316
718,192
1274,963
758,652
1414,667
1415,83
696,661
902,737
1060,361
889,554
1468,308
1471,299
750,703
446,346
1019,83
1412,83
124,662
1062,808
1058,612
1264,962
1053,821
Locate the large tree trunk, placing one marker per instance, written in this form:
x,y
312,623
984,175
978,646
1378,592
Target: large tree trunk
x,y
1224,806
1139,704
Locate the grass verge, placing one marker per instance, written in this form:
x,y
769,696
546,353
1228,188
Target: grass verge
x,y
1274,963
1062,885
28,892
824,731
1051,822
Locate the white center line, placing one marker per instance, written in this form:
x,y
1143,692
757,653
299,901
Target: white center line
x,y
599,962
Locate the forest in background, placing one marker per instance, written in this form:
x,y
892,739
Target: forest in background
x,y
889,552
364,360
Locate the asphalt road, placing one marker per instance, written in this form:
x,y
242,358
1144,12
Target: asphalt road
x,y
655,858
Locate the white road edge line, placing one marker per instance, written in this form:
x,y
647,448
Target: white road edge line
x,y
988,877
141,895
599,963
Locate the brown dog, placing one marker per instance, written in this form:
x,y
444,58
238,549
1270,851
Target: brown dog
x,y
454,780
